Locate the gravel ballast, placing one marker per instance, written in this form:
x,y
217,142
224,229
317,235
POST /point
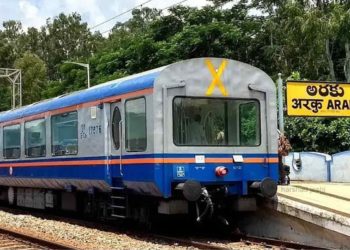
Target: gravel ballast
x,y
87,237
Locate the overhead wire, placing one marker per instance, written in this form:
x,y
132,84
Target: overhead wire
x,y
120,14
161,10
127,11
173,5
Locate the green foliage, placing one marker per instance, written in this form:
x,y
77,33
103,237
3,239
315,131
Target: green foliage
x,y
5,95
66,38
34,75
297,38
248,123
327,135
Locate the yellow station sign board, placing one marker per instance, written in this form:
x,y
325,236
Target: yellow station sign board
x,y
318,99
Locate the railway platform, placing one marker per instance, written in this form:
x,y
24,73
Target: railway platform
x,y
312,213
332,198
322,210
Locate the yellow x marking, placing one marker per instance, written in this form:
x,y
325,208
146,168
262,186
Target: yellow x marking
x,y
216,74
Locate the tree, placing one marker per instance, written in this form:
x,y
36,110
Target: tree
x,y
12,34
33,77
311,37
66,38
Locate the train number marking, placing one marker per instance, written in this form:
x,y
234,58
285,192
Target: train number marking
x,y
237,167
90,131
95,129
199,168
180,171
216,74
83,134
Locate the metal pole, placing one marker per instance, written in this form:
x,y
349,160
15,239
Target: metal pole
x,y
14,76
88,75
20,88
280,103
87,66
13,95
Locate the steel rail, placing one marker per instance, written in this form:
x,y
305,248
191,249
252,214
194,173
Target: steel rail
x,y
182,240
189,242
26,237
273,242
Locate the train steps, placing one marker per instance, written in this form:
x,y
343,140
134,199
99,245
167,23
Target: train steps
x,y
119,202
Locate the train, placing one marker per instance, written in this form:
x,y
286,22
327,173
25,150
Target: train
x,y
197,138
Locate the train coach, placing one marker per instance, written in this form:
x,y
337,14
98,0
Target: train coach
x,y
195,137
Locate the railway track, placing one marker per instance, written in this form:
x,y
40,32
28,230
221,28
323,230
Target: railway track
x,y
196,241
13,240
241,240
9,242
190,242
268,242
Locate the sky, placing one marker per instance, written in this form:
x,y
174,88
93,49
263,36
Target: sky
x,y
33,13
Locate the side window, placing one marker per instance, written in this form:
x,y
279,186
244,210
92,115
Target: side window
x,y
249,124
135,125
12,141
64,134
35,138
116,127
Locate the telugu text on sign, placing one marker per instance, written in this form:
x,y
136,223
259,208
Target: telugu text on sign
x,y
318,99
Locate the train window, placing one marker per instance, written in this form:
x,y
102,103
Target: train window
x,y
135,125
35,138
249,124
215,122
116,127
12,141
64,134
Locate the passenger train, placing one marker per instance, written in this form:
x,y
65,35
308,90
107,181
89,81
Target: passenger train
x,y
196,137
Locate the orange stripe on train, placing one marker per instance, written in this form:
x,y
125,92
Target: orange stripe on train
x,y
54,163
192,160
133,161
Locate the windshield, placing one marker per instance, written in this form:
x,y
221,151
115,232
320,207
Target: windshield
x,y
216,122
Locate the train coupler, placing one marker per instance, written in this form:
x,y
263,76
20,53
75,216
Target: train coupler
x,y
209,206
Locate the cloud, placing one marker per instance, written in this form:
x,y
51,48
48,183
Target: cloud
x,y
30,13
34,13
89,9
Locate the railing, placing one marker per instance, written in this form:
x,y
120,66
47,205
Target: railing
x,y
313,166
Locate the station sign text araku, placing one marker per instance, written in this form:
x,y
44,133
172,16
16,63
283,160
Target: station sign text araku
x,y
323,99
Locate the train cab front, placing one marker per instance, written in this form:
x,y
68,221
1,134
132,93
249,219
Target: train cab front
x,y
232,165
220,134
215,200
224,197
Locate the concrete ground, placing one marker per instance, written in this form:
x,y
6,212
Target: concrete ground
x,y
332,197
312,213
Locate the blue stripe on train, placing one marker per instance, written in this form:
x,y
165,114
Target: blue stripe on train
x,y
137,171
249,172
155,173
90,172
144,172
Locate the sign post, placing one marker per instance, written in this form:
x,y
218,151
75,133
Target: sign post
x,y
280,103
318,99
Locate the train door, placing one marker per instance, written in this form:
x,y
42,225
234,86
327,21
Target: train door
x,y
116,145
